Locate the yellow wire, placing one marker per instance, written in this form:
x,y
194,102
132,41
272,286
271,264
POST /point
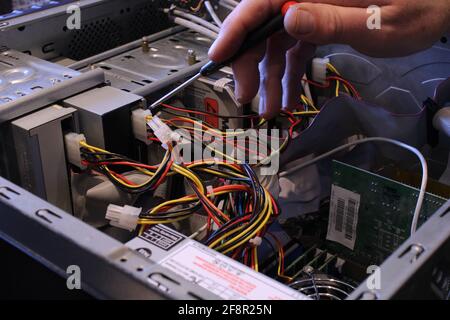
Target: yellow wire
x,y
255,257
261,220
333,69
306,113
92,149
252,235
308,102
265,216
186,200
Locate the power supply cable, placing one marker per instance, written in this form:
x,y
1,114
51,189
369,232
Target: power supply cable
x,y
213,13
196,27
194,18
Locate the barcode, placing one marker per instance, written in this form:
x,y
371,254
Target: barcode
x,y
343,222
340,209
350,219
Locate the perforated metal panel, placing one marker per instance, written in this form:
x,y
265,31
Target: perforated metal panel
x,y
122,24
104,25
94,37
147,19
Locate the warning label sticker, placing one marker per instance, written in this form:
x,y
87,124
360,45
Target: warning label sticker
x,y
162,237
225,277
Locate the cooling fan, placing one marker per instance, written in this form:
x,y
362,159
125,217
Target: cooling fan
x,y
319,286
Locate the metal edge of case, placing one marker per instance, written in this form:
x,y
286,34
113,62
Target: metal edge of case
x,y
58,240
405,271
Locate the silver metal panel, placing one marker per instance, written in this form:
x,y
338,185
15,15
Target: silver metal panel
x,y
39,144
104,115
22,74
45,97
88,62
109,270
135,69
105,24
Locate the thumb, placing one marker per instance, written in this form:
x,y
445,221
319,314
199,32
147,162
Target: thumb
x,y
325,24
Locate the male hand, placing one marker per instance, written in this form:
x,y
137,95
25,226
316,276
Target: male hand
x,y
407,26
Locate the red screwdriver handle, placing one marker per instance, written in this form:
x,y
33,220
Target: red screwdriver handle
x,y
258,35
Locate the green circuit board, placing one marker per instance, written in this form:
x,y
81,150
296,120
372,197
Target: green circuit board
x,y
370,215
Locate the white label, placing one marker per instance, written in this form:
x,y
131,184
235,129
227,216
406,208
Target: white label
x,y
225,277
343,221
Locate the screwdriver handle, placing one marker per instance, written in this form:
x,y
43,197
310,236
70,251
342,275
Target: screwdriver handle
x,y
253,39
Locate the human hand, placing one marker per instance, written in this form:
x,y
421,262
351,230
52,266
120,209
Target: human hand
x,y
407,26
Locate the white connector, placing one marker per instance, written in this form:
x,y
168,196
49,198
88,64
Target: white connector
x,y
73,154
256,242
139,124
125,217
163,132
319,70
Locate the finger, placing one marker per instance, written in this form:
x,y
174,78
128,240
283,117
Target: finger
x,y
250,14
353,3
296,60
246,74
323,24
272,71
247,16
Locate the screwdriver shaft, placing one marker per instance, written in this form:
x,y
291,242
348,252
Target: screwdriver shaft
x,y
175,91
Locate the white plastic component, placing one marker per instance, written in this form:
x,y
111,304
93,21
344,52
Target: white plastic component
x,y
319,70
257,241
125,217
72,141
163,132
441,121
210,191
139,124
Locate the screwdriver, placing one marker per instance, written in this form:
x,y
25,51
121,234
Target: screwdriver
x,y
266,30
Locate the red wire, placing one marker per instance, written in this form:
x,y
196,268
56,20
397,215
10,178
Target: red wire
x,y
204,113
164,175
117,175
234,143
352,88
317,84
328,84
125,163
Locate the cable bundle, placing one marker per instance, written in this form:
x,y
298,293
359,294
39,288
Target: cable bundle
x,y
238,208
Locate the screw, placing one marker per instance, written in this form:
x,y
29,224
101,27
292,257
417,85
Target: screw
x,y
369,296
308,270
145,45
191,57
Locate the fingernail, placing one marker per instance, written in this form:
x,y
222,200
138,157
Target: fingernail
x,y
237,93
302,22
262,107
212,49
